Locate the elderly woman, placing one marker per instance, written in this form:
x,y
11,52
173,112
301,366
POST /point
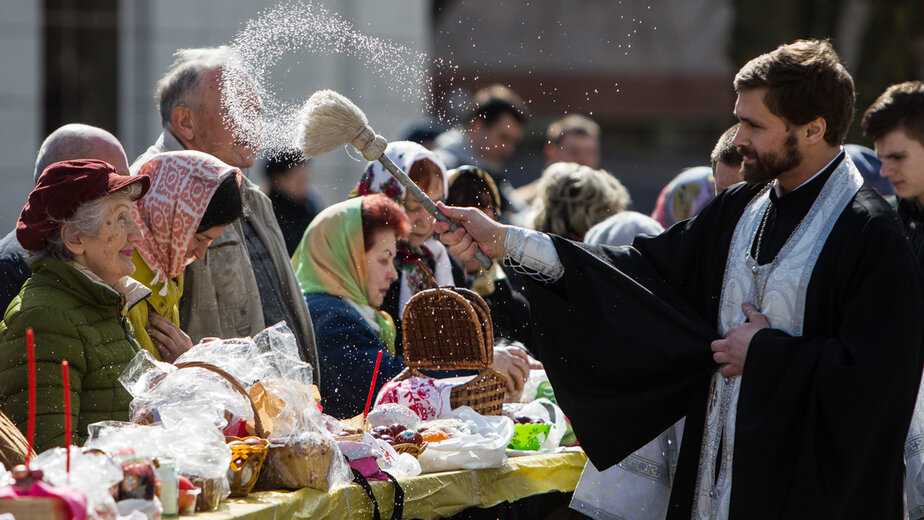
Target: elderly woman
x,y
78,227
573,198
345,265
193,197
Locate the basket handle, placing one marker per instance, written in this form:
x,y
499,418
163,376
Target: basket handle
x,y
426,270
257,422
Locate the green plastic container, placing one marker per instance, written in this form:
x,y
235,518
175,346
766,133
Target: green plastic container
x,y
529,436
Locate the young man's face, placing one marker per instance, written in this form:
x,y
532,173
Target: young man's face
x,y
497,142
577,148
768,145
902,163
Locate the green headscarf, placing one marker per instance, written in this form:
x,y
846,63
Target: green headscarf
x,y
331,259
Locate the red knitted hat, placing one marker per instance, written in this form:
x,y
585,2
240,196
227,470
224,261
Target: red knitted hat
x,y
61,189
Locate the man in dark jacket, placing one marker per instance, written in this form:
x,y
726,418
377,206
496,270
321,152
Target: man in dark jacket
x,y
294,202
895,122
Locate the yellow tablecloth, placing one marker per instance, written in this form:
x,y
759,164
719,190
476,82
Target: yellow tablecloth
x,y
429,496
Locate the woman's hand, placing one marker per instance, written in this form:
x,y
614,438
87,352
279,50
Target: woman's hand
x,y
513,364
169,339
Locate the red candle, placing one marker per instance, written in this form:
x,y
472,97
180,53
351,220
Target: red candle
x,y
375,373
67,412
30,345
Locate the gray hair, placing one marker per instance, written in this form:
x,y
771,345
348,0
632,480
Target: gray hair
x,y
572,198
181,85
86,222
72,141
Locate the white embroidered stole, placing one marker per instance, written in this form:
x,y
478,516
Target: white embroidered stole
x,y
783,283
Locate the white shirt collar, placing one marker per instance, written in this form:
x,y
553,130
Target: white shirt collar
x,y
776,183
132,290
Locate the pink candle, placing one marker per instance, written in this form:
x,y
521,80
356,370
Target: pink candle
x,y
375,373
30,345
67,412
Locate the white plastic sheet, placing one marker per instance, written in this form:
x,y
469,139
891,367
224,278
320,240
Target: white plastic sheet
x,y
485,447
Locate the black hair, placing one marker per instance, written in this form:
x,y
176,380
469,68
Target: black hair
x,y
225,207
284,160
491,111
472,186
725,151
900,107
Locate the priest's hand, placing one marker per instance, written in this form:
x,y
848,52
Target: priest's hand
x,y
475,229
730,353
169,339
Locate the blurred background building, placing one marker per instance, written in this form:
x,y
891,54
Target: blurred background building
x,y
655,75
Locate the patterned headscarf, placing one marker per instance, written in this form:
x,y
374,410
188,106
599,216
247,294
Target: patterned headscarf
x,y
182,184
684,196
331,259
376,179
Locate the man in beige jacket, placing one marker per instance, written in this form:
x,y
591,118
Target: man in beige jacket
x,y
246,282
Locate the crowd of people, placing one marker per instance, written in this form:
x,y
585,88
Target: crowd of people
x,y
762,322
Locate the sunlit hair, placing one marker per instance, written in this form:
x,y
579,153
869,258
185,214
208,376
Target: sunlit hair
x,y
900,107
804,80
573,198
85,222
181,85
380,213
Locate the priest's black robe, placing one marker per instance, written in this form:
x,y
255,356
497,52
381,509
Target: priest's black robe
x,y
625,338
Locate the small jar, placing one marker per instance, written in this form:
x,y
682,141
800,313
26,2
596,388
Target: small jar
x,y
169,486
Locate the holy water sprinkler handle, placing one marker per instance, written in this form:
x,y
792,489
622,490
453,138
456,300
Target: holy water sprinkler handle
x,y
428,204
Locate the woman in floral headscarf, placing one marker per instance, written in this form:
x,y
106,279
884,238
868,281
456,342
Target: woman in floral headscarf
x,y
419,252
193,197
684,196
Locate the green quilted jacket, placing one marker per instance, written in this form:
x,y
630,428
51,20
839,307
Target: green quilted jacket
x,y
76,319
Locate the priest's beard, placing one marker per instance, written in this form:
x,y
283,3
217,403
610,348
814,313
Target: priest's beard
x,y
770,165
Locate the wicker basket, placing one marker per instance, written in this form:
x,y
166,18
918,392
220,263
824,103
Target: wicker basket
x,y
484,314
257,422
442,330
246,463
449,329
413,449
301,462
246,460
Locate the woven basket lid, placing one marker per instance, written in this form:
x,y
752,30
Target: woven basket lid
x,y
442,330
484,313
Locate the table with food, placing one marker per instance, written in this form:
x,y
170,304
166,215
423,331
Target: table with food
x,y
234,429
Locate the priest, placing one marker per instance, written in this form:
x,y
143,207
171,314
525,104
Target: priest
x,y
783,321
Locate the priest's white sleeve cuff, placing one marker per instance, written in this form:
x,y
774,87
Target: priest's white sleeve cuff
x,y
532,253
